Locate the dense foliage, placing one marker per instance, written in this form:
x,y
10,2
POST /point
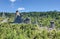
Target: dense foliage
x,y
40,18
33,30
26,31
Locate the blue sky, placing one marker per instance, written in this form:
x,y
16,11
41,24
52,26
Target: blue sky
x,y
29,5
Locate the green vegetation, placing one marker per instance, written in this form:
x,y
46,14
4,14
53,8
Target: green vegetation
x,y
31,31
26,31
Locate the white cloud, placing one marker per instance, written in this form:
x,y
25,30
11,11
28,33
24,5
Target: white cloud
x,y
21,9
12,0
